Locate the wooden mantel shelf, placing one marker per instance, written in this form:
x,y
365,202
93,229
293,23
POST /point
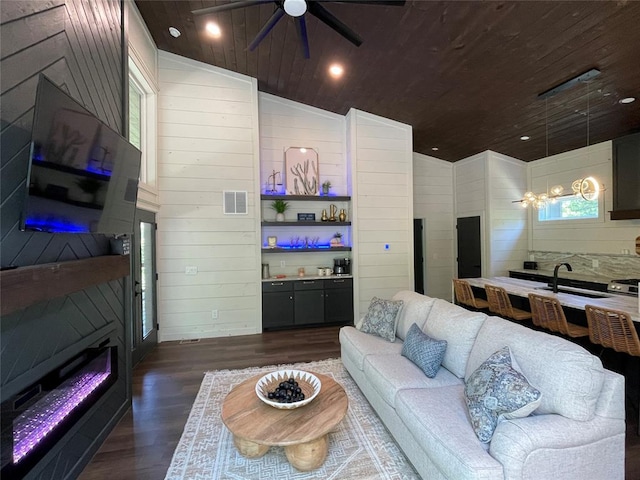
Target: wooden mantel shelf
x,y
25,286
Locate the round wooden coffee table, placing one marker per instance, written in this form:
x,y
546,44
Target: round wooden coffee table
x,y
302,431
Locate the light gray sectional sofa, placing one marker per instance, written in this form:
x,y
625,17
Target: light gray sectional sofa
x,y
577,432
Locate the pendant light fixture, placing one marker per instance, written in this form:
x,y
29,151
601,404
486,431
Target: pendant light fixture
x,y
586,188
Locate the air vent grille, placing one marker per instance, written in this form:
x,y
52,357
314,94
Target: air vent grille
x,y
235,202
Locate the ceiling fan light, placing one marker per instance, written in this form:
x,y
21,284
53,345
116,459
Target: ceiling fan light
x,y
295,8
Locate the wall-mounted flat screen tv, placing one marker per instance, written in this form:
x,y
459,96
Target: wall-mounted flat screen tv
x,y
83,175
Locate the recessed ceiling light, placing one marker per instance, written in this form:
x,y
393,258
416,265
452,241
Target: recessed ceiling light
x,y
435,149
524,138
174,32
626,100
336,70
214,29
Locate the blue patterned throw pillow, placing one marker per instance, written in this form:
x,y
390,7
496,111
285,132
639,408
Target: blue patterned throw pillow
x,y
426,352
381,318
496,391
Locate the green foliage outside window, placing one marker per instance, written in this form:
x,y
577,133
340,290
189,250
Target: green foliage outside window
x,y
569,208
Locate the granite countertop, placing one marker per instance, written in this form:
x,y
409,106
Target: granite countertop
x,y
292,278
522,288
564,273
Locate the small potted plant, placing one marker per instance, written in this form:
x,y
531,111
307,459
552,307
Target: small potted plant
x,y
336,241
280,206
325,187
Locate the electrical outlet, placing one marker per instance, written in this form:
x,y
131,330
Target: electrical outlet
x,y
190,270
214,314
595,263
283,263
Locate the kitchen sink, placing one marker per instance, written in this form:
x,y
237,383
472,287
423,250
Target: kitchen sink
x,y
574,292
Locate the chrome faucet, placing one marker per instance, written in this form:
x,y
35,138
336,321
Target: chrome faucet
x,y
554,285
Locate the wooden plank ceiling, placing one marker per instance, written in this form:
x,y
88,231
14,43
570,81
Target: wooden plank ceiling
x,y
465,75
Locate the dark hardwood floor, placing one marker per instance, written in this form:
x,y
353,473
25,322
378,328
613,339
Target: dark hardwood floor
x,y
166,382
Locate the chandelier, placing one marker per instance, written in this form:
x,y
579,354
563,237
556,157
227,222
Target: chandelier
x,y
586,188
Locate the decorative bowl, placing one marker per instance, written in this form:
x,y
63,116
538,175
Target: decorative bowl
x,y
308,383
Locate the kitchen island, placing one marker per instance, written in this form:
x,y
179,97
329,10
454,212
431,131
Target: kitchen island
x,y
522,288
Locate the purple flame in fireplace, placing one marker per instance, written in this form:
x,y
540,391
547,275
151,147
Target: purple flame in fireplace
x,y
39,420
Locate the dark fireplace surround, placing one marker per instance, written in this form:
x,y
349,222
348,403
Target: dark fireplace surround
x,y
51,404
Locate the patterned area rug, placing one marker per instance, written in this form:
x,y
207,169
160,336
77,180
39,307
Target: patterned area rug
x,y
359,448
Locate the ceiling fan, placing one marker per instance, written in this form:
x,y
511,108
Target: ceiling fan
x,y
297,10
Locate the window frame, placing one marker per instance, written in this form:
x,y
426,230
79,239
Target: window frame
x,y
148,128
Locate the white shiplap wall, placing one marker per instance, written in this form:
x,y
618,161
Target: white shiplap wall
x,y
470,198
433,202
381,163
506,221
207,143
583,236
285,124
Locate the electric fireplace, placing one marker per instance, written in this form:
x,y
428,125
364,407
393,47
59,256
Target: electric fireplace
x,y
41,414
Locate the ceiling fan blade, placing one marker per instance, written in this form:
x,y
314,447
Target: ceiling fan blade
x,y
277,15
388,3
301,26
228,6
326,17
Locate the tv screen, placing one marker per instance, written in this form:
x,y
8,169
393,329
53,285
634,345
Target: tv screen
x,y
83,176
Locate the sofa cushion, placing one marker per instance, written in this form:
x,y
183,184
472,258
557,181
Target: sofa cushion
x,y
569,377
495,391
390,374
381,318
459,328
426,352
416,308
437,419
358,345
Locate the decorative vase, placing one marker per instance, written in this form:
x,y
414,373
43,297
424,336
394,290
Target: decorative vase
x,y
279,217
324,217
343,215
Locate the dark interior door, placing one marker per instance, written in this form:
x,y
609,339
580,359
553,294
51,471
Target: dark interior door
x,y
469,247
418,255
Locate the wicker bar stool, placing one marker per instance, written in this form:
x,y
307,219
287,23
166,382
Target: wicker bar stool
x,y
548,314
500,304
464,295
612,329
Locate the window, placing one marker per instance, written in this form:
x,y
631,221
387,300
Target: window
x,y
142,129
569,208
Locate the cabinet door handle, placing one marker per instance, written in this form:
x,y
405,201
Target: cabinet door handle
x,y
339,281
309,282
275,284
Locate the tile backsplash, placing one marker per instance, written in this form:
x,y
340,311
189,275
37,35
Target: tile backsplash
x,y
612,266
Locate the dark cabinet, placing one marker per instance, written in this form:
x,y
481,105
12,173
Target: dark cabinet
x,y
287,304
308,302
277,304
338,301
626,178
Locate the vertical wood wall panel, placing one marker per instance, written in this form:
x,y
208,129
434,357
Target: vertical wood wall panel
x,y
77,44
433,202
380,149
507,229
207,136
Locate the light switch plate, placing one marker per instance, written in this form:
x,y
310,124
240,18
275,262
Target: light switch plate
x,y
190,270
